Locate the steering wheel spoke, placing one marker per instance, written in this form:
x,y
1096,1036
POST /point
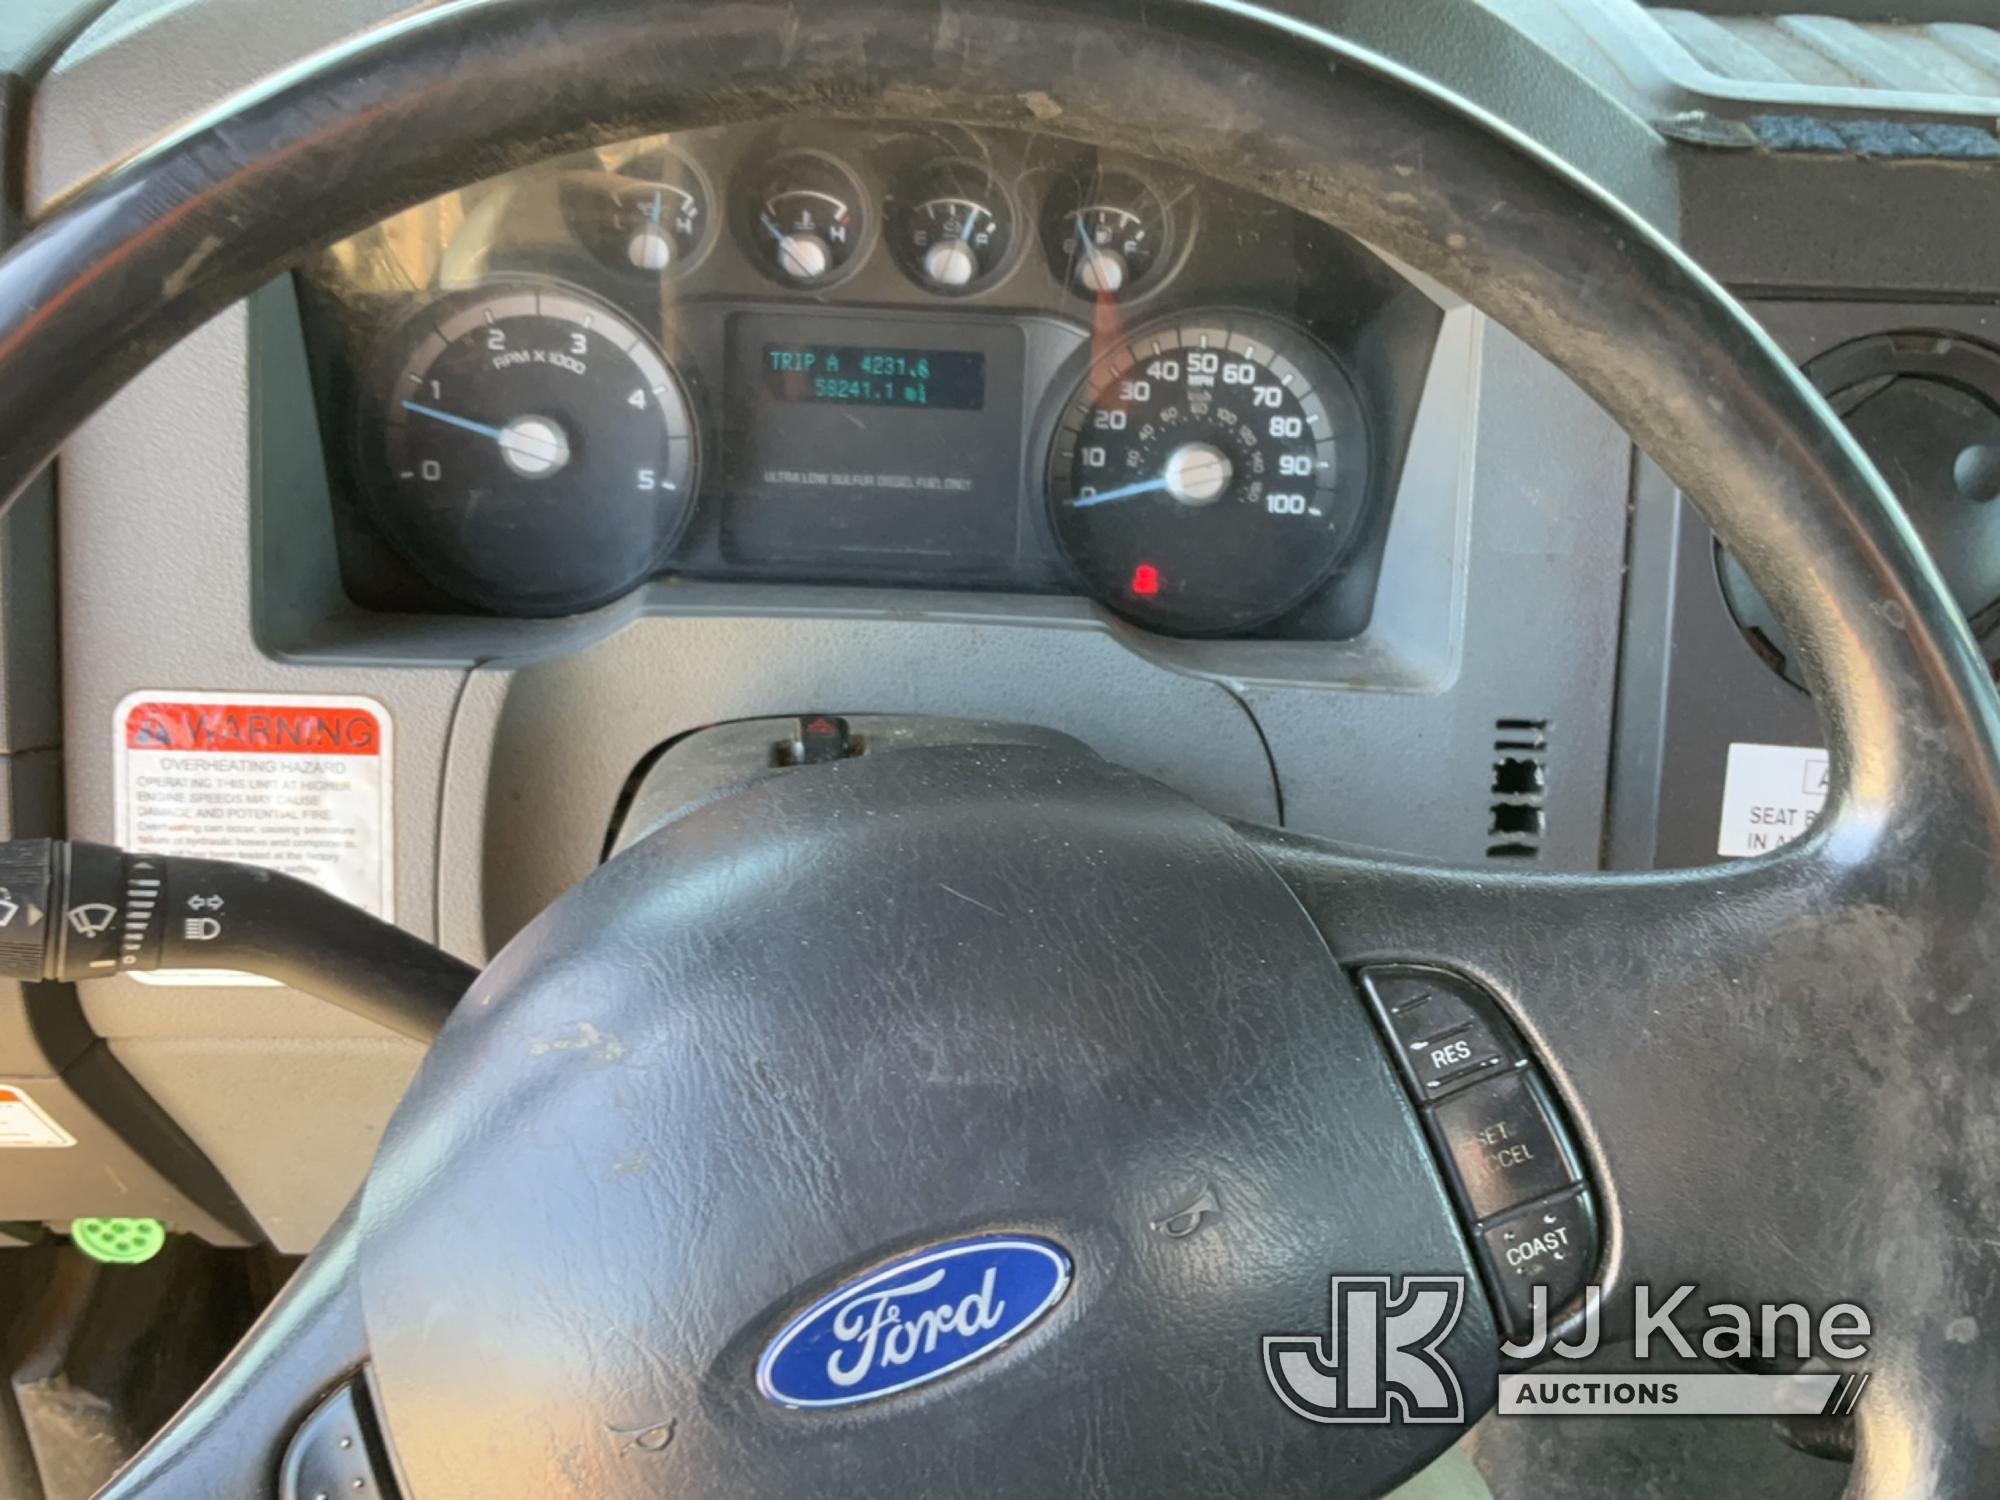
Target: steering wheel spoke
x,y
1745,1061
1627,992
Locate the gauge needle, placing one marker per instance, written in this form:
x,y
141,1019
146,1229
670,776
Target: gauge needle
x,y
1143,487
532,439
1195,474
444,416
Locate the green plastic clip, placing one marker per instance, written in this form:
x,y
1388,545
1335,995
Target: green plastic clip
x,y
119,1242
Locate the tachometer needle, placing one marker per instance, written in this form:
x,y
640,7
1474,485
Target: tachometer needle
x,y
1143,487
533,446
444,416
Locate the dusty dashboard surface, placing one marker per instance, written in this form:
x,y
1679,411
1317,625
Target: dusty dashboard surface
x,y
822,353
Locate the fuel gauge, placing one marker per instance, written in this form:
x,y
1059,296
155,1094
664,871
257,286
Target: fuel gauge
x,y
951,227
1109,235
805,219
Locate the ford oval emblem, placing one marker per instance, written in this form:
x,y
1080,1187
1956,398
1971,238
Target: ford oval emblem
x,y
913,1320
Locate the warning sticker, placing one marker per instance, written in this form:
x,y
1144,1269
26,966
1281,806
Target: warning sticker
x,y
23,1122
1770,795
295,783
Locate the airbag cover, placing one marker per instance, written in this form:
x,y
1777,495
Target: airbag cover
x,y
850,1012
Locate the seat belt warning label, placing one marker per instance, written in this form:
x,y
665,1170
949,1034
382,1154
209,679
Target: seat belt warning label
x,y
1771,794
294,783
24,1122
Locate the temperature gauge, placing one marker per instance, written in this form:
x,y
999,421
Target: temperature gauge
x,y
806,219
651,215
1109,235
951,226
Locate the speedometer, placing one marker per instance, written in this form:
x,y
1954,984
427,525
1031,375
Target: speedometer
x,y
1210,473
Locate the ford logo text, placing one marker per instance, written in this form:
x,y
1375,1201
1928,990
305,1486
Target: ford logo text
x,y
913,1320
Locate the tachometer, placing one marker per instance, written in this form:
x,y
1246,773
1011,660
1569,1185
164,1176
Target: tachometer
x,y
1210,473
534,452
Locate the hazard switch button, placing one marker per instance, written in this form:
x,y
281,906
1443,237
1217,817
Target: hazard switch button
x,y
821,738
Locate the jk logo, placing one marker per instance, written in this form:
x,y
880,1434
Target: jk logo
x,y
1378,1361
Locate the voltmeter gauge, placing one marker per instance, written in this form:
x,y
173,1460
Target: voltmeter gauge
x,y
951,226
652,215
1210,473
805,219
531,451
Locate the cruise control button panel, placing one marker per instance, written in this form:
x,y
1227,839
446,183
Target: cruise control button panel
x,y
334,1453
1518,1180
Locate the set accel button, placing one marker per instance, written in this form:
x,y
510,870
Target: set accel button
x,y
1502,1144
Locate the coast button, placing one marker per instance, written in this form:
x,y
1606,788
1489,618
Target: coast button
x,y
1553,1244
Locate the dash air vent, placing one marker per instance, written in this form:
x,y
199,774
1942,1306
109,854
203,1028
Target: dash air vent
x,y
1518,789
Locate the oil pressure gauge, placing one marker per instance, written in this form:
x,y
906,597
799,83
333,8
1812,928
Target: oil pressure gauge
x,y
951,227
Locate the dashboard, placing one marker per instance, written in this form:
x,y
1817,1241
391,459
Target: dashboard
x,y
816,352
230,527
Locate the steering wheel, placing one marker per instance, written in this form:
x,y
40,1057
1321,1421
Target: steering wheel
x,y
819,1021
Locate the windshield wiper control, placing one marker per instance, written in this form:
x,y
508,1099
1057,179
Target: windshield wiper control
x,y
75,911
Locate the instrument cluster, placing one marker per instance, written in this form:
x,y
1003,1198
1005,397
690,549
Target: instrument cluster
x,y
822,353
808,217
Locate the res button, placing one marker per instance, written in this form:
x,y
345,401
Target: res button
x,y
1443,1028
1503,1144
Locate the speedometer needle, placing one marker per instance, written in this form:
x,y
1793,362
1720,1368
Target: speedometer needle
x,y
1195,474
1143,487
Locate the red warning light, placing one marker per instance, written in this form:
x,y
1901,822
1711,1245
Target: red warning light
x,y
1145,580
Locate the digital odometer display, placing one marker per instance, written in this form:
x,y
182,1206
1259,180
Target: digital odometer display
x,y
863,444
857,375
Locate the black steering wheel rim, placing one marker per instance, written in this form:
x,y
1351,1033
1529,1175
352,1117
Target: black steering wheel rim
x,y
1899,869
